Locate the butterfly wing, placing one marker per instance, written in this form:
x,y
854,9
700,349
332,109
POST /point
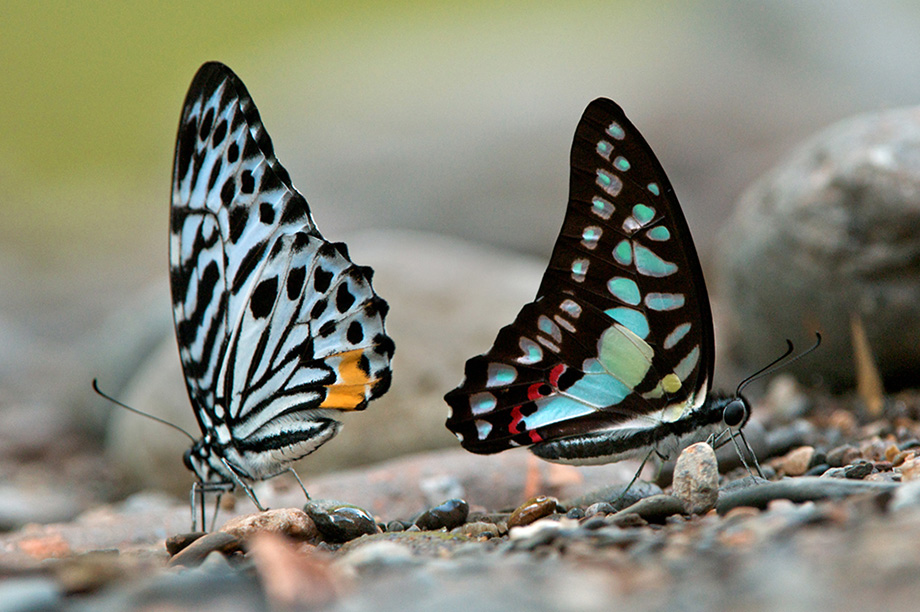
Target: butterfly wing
x,y
273,322
620,333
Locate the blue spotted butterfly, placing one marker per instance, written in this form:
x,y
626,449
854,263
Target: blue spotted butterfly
x,y
614,357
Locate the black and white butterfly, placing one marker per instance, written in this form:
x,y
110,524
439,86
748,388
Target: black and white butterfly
x,y
614,357
277,328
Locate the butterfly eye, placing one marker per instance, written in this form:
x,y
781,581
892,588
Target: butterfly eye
x,y
735,412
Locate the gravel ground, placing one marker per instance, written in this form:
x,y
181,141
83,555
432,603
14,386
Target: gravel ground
x,y
836,526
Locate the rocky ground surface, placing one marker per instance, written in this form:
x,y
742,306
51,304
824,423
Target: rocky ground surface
x,y
836,525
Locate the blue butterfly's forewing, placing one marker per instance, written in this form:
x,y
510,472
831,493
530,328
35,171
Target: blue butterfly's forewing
x,y
620,334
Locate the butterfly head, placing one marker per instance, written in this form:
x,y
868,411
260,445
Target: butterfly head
x,y
205,464
736,412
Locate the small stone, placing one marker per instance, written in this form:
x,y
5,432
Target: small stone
x,y
626,519
478,529
902,457
796,461
196,552
396,526
594,522
696,478
378,555
575,513
834,472
858,470
448,515
178,542
338,522
891,451
843,455
817,470
883,466
913,443
910,469
602,508
292,522
531,510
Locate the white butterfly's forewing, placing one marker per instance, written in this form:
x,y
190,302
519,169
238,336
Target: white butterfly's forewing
x,y
275,325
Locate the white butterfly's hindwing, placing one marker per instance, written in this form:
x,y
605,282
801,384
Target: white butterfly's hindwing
x,y
277,328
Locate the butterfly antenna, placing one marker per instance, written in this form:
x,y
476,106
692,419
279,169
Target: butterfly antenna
x,y
136,411
775,365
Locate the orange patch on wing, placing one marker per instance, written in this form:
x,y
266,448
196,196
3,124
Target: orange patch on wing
x,y
350,390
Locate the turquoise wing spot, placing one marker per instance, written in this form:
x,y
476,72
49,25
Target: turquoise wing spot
x,y
483,429
579,270
604,149
500,374
659,233
631,319
676,336
531,351
599,388
649,264
621,164
483,402
602,208
643,213
548,327
622,253
609,183
624,289
615,131
653,187
688,363
554,409
664,301
590,236
571,308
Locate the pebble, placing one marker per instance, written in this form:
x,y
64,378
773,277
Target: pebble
x,y
179,541
292,522
910,469
602,508
696,478
858,470
447,515
477,529
375,556
843,455
797,461
533,509
396,526
575,513
338,522
817,470
195,553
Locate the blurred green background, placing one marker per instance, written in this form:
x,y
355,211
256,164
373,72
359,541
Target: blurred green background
x,y
440,116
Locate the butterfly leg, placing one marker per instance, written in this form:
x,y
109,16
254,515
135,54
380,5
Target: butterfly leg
x,y
741,453
239,482
300,482
634,478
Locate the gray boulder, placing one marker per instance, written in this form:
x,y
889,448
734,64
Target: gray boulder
x,y
831,233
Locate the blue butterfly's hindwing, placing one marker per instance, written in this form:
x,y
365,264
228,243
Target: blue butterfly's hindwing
x,y
277,328
620,333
